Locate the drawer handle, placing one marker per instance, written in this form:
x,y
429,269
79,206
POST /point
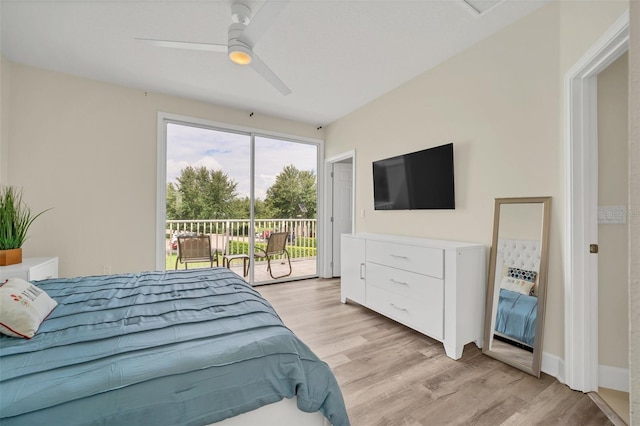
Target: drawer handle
x,y
397,282
398,307
399,257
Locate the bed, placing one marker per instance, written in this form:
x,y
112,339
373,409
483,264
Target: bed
x,y
516,319
163,348
517,267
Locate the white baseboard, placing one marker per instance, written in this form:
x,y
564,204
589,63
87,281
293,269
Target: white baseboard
x,y
613,378
553,365
608,377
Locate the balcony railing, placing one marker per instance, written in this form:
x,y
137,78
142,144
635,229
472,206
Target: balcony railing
x,y
231,236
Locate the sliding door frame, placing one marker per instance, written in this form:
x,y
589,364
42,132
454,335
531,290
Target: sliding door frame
x,y
165,118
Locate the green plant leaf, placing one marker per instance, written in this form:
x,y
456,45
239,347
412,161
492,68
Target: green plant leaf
x,y
15,218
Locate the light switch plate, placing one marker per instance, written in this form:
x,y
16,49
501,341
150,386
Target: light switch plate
x,y
613,215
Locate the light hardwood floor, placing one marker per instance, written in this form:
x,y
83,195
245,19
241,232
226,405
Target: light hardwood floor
x,y
391,375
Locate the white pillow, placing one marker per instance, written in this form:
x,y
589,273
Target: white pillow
x,y
23,307
514,284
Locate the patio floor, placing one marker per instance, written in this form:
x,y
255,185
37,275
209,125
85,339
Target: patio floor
x,y
300,268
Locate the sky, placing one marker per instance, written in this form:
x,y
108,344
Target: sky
x,y
229,152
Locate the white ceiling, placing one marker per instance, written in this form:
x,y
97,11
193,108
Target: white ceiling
x,y
334,55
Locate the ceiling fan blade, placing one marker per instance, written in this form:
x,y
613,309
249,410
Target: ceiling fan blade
x,y
209,47
262,69
262,21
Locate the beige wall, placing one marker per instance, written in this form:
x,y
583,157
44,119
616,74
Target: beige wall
x,y
613,178
521,222
5,87
500,103
88,150
634,209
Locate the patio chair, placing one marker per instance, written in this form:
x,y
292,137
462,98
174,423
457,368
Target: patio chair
x,y
276,246
196,248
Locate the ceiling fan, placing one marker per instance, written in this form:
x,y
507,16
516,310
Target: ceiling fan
x,y
244,33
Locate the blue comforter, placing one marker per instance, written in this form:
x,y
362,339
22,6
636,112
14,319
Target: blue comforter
x,y
175,348
516,316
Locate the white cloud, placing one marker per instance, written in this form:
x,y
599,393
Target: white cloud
x,y
230,153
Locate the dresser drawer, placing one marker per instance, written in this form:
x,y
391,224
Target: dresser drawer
x,y
426,316
422,260
31,269
45,270
408,284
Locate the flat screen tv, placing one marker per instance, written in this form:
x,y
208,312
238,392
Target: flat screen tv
x,y
418,180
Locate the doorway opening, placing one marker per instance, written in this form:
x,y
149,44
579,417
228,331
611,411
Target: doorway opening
x,y
340,204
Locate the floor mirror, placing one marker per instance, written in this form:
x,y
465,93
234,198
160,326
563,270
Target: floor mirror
x,y
516,290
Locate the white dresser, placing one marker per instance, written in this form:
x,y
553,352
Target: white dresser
x,y
31,269
436,287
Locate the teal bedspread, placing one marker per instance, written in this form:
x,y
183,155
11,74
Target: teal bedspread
x,y
159,348
516,316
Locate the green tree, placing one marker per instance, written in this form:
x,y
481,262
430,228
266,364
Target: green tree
x,y
172,202
201,194
293,194
241,209
262,210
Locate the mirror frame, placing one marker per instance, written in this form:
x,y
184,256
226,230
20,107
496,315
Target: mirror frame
x,y
542,284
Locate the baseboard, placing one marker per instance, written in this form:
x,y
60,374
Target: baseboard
x,y
553,365
613,378
608,377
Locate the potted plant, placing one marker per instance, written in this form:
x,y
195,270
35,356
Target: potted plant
x,y
15,220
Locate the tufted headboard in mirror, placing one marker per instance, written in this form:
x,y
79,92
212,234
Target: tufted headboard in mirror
x,y
521,254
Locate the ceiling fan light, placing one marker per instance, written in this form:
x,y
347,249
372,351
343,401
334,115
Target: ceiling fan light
x,y
239,55
240,58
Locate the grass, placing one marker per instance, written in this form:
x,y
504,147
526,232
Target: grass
x,y
170,263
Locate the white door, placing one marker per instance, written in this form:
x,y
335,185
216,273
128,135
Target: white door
x,y
342,209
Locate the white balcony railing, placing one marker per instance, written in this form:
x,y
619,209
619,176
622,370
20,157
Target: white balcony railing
x,y
231,236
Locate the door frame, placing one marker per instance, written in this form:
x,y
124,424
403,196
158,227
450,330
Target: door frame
x,y
581,208
326,269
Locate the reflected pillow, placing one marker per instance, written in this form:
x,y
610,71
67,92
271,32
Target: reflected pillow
x,y
522,274
23,307
517,285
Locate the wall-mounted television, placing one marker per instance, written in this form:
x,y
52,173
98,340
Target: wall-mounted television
x,y
414,181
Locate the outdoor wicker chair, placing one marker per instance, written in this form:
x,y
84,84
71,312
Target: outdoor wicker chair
x,y
192,249
276,246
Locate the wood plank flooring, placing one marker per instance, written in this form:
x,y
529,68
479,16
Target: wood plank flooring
x,y
392,375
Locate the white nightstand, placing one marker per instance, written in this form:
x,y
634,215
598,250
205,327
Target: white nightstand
x,y
31,269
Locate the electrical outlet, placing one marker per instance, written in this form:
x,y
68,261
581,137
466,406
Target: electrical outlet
x,y
614,215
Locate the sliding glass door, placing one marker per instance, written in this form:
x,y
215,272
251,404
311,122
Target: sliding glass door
x,y
255,196
285,182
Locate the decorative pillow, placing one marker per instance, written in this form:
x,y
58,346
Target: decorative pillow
x,y
522,274
517,285
23,307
